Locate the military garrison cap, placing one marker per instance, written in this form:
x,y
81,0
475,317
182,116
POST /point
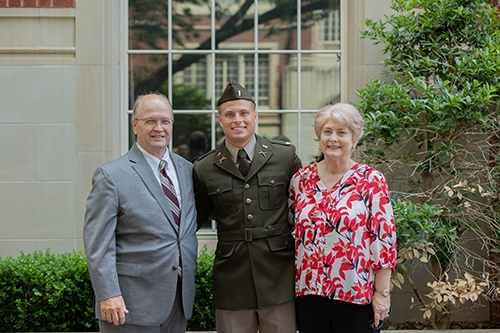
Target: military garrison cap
x,y
234,91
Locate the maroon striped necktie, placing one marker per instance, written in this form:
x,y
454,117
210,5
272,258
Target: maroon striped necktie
x,y
169,190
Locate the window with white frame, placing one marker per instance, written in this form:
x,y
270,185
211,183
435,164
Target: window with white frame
x,y
331,27
228,68
280,51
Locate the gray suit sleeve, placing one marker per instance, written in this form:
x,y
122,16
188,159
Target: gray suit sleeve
x,y
99,235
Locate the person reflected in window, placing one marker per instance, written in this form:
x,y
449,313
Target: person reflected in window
x,y
243,186
183,150
345,234
197,145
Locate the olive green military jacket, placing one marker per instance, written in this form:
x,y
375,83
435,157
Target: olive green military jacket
x,y
254,263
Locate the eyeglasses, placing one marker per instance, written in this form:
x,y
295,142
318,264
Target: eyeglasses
x,y
380,323
153,122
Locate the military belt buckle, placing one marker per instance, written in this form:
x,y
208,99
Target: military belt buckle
x,y
248,234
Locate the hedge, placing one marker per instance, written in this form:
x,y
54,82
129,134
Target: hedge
x,y
46,292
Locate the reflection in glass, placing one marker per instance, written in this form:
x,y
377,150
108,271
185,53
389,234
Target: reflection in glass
x,y
235,24
278,24
219,135
269,125
242,69
226,70
309,145
147,73
299,129
188,97
147,24
191,25
196,75
287,101
320,81
185,125
331,27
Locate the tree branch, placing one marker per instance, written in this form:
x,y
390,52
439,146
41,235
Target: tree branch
x,y
228,30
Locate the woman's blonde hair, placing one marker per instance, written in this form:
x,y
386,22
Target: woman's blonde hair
x,y
343,114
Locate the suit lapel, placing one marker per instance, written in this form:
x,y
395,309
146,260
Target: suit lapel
x,y
149,179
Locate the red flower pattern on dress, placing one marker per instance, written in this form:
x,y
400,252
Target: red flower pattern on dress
x,y
343,236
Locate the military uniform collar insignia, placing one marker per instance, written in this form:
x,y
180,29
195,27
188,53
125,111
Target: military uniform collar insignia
x,y
222,158
263,152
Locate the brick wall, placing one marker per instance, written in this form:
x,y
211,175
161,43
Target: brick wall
x,y
37,3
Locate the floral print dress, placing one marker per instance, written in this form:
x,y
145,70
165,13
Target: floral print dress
x,y
343,236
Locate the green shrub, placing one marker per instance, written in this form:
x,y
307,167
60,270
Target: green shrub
x,y
203,318
45,292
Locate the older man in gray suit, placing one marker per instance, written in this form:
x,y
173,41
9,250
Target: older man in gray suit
x,y
140,230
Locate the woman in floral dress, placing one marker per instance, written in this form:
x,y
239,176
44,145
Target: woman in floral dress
x,y
345,235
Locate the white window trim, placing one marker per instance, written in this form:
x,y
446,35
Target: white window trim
x,y
126,53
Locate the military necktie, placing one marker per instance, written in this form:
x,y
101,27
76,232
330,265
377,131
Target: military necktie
x,y
243,162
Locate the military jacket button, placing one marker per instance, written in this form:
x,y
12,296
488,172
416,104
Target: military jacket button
x,y
272,181
249,217
247,186
248,201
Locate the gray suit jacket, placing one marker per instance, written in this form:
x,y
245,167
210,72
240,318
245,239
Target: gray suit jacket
x,y
132,242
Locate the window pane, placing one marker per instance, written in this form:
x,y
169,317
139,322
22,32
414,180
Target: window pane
x,y
192,87
188,97
269,125
184,126
329,31
147,73
272,125
226,69
234,25
309,145
320,75
191,28
196,75
278,23
287,101
319,85
289,127
147,24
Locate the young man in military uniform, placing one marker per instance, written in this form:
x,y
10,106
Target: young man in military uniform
x,y
243,186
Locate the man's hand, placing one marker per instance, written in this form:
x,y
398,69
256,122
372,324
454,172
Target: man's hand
x,y
114,310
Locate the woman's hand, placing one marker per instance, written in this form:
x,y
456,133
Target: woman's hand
x,y
381,307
